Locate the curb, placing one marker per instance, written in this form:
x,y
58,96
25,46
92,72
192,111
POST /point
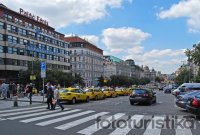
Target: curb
x,y
23,100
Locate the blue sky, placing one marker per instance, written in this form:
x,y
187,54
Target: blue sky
x,y
151,32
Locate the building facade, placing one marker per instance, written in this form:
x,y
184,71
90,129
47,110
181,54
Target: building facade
x,y
86,60
25,37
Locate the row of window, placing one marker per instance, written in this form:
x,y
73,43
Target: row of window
x,y
21,51
81,52
29,25
35,35
24,63
32,45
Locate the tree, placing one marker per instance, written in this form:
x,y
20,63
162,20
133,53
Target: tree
x,y
183,77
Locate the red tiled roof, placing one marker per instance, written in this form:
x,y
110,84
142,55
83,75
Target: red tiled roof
x,y
75,39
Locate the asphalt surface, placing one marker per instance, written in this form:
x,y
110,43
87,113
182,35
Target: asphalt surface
x,y
81,119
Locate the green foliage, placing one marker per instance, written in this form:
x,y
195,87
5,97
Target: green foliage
x,y
183,77
119,80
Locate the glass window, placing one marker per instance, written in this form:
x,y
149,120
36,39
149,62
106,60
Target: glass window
x,y
14,50
24,32
15,40
10,39
21,52
8,27
1,49
20,31
1,37
10,50
10,17
2,61
1,25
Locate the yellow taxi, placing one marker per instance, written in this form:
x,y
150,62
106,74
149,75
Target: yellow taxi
x,y
34,91
129,90
121,91
94,93
73,95
109,92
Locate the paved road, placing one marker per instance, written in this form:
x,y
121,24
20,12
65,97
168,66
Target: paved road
x,y
82,119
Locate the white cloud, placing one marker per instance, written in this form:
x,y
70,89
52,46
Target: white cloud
x,y
185,8
119,39
166,60
91,38
61,13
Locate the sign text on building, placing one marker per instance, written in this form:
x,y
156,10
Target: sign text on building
x,y
32,16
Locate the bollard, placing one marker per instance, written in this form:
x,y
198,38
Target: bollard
x,y
15,103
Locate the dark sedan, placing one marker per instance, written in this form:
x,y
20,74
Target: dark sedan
x,y
193,105
182,100
142,96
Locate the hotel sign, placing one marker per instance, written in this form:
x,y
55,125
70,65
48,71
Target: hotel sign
x,y
32,16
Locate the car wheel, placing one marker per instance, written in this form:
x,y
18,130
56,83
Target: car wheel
x,y
132,103
88,99
73,101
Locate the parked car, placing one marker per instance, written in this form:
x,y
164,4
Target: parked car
x,y
121,91
193,105
73,95
185,90
167,90
182,100
94,93
176,92
142,95
109,92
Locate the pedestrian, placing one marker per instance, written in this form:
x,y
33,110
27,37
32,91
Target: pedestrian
x,y
57,98
30,90
4,89
50,95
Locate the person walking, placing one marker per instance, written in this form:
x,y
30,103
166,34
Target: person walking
x,y
57,98
50,95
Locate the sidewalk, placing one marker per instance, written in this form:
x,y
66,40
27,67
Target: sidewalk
x,y
35,98
9,103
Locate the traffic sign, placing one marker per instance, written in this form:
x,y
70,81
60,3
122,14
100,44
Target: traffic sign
x,y
43,69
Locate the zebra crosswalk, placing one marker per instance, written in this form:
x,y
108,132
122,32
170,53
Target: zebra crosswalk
x,y
92,122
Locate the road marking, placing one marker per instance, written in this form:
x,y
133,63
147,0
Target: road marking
x,y
30,115
62,118
21,109
183,131
80,121
123,131
23,112
152,128
2,119
48,116
95,127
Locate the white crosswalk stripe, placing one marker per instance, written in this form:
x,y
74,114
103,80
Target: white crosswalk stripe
x,y
69,118
94,128
48,116
123,131
183,131
80,121
23,112
62,118
21,109
30,115
152,129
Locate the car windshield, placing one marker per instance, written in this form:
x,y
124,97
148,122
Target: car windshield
x,y
88,90
193,93
139,91
63,91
